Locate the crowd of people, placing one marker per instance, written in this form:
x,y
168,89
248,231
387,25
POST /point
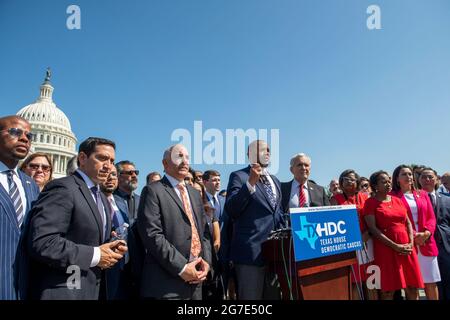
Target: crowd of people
x,y
91,236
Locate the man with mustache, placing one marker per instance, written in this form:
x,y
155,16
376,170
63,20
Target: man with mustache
x,y
254,203
70,228
17,191
172,225
128,183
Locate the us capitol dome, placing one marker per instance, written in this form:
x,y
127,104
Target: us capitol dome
x,y
54,135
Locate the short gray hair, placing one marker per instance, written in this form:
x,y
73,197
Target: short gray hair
x,y
299,155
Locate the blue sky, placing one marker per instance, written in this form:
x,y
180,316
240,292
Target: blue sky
x,y
138,70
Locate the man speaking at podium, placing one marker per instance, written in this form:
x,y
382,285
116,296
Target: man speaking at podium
x,y
254,202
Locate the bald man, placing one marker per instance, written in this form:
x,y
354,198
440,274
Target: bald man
x,y
173,228
17,192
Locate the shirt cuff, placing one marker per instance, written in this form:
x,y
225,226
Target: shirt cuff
x,y
251,188
96,257
182,270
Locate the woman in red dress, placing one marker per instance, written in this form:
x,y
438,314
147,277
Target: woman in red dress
x,y
348,182
395,255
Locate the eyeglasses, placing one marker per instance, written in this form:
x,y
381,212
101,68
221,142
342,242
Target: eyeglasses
x,y
130,172
17,132
365,185
35,166
349,180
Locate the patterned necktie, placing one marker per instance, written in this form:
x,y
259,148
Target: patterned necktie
x,y
15,197
195,243
268,189
98,201
301,197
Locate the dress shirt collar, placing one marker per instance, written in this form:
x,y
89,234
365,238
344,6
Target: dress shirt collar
x,y
4,168
86,179
174,182
296,184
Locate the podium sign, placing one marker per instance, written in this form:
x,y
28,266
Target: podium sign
x,y
324,231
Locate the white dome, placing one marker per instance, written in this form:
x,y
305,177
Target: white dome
x,y
46,113
53,133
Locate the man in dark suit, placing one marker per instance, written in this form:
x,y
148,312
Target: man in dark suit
x,y
128,183
441,206
172,225
300,192
17,192
254,203
70,228
117,277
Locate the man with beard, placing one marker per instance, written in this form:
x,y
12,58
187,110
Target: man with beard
x,y
70,228
128,203
128,183
17,191
172,225
254,203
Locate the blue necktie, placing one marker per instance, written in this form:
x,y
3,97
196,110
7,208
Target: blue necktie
x,y
15,197
268,189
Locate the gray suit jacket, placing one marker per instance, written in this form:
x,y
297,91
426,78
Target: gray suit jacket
x,y
65,227
165,231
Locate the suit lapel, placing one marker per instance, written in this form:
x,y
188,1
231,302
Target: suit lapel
x,y
438,205
122,208
172,193
88,196
108,212
9,208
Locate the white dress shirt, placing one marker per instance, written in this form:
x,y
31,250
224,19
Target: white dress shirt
x,y
295,191
97,253
4,182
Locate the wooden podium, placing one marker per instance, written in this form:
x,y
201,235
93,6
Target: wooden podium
x,y
326,278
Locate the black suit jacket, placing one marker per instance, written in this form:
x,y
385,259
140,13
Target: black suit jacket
x,y
65,227
317,195
165,231
442,211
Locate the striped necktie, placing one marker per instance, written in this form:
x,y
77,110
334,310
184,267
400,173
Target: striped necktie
x,y
15,197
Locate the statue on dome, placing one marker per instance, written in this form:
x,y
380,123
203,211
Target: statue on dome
x,y
49,74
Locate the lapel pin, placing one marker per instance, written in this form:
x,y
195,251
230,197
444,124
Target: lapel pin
x,y
28,182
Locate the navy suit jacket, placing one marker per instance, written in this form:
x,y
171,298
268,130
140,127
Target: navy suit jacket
x,y
65,227
10,248
442,211
253,217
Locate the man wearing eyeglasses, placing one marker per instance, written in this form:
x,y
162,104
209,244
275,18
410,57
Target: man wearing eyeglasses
x,y
17,192
300,191
128,183
128,203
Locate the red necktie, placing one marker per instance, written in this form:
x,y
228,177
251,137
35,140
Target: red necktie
x,y
301,197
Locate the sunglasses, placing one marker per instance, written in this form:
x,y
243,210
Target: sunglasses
x,y
17,132
365,185
34,166
130,172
